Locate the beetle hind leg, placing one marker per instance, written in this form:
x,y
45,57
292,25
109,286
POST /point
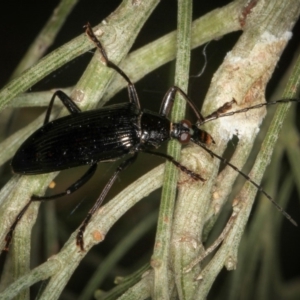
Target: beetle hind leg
x,y
71,189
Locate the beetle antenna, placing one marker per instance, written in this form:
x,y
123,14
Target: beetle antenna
x,y
259,188
215,116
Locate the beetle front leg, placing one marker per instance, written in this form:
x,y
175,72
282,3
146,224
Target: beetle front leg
x,y
133,96
168,101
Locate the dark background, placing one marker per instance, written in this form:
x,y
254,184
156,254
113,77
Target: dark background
x,y
21,22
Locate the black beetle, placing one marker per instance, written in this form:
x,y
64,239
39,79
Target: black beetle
x,y
107,134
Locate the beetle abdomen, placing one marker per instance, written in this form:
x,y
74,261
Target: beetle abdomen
x,y
91,137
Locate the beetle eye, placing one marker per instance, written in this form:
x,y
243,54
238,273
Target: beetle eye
x,y
184,138
186,123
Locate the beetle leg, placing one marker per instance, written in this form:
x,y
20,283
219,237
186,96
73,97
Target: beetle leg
x,y
72,188
67,102
177,164
133,97
12,228
168,101
121,167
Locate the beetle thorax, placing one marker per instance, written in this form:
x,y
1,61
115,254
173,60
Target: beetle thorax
x,y
155,129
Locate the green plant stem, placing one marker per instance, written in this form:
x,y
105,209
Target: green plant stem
x,y
68,259
116,254
122,288
66,53
148,58
46,36
227,254
160,258
62,265
86,90
137,65
244,61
